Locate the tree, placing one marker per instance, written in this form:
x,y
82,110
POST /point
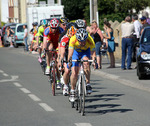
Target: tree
x,y
110,9
74,9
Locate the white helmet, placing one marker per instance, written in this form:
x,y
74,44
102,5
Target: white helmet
x,y
81,35
80,23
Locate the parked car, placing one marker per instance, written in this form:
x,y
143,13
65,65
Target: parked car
x,y
5,38
19,35
143,54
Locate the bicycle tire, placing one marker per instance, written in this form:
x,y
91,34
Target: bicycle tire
x,y
77,99
80,95
53,80
83,96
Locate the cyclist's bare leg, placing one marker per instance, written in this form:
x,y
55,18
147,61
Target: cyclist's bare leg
x,y
74,77
49,54
58,72
66,74
87,70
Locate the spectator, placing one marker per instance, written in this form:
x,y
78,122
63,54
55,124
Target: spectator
x,y
110,44
145,14
98,39
1,45
137,27
10,35
144,23
136,35
25,36
127,42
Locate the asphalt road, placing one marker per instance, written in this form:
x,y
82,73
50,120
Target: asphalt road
x,y
26,98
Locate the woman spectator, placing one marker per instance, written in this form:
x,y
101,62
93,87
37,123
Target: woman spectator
x,y
98,39
110,44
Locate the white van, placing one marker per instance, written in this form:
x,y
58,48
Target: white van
x,y
19,35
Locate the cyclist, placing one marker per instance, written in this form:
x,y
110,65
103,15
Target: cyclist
x,y
64,55
33,31
80,45
80,23
51,36
39,38
63,23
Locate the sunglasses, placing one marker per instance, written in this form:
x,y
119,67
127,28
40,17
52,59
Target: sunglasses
x,y
53,28
64,24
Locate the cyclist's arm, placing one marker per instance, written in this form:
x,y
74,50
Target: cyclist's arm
x,y
44,43
59,50
71,47
70,53
62,52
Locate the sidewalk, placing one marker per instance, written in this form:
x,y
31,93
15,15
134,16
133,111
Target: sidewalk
x,y
125,77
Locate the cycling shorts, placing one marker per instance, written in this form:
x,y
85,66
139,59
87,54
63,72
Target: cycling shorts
x,y
82,54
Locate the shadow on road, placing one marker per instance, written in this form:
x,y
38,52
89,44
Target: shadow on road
x,y
93,107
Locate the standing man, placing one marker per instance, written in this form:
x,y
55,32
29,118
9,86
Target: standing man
x,y
25,36
127,42
137,29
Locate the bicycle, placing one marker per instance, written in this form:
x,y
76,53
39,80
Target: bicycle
x,y
53,71
80,90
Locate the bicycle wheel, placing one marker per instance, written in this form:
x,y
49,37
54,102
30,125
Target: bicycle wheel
x,y
53,80
77,97
83,95
80,94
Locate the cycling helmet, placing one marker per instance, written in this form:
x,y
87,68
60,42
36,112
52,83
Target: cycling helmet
x,y
35,24
44,22
71,31
80,23
64,20
81,35
71,24
54,23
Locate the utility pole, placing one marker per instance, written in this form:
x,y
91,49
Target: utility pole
x,y
93,11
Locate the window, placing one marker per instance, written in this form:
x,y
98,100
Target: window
x,y
20,28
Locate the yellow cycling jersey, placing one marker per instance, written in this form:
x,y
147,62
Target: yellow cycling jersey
x,y
74,44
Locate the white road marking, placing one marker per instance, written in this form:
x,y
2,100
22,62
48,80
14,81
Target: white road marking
x,y
46,107
34,97
6,75
83,124
13,78
1,71
17,84
25,90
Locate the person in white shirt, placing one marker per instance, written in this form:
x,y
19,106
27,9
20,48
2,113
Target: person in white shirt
x,y
25,36
137,26
137,29
127,29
